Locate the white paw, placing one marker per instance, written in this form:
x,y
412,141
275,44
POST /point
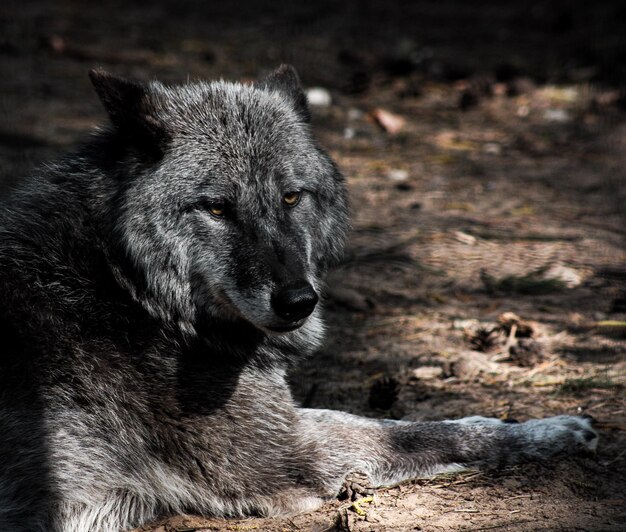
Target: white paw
x,y
542,438
564,432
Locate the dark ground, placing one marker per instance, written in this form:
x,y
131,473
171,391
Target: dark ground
x,y
503,191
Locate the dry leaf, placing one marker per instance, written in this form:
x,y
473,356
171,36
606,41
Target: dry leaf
x,y
389,122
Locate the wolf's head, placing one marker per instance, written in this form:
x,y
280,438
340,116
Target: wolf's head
x,y
224,205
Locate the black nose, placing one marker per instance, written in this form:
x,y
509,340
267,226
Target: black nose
x,y
295,301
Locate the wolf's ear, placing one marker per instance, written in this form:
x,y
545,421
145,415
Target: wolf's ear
x,y
286,81
130,109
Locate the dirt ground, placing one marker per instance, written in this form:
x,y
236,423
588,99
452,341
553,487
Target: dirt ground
x,y
502,191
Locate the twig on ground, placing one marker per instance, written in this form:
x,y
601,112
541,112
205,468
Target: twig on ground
x,y
503,525
356,505
456,482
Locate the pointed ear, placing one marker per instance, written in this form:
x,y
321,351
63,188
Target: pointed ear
x,y
286,81
128,105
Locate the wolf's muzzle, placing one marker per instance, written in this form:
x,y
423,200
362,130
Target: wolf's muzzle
x,y
295,301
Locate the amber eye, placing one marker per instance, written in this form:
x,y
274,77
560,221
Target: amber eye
x,y
291,199
216,209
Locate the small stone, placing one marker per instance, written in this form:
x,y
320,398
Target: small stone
x,y
349,133
426,373
396,174
318,97
560,116
567,275
492,148
464,238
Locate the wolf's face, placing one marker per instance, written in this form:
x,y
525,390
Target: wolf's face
x,y
229,208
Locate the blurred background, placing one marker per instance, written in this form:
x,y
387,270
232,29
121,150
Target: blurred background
x,y
484,144
353,49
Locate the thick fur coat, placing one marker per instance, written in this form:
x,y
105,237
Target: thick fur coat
x,y
155,285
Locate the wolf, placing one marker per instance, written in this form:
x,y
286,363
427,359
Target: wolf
x,y
156,285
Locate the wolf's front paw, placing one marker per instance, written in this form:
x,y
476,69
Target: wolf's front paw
x,y
559,434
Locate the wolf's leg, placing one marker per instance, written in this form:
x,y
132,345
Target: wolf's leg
x,y
392,451
124,510
107,512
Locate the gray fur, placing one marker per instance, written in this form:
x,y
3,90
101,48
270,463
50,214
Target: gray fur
x,y
140,372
